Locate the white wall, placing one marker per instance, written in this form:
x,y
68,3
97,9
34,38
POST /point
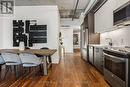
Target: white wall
x,y
48,15
68,21
104,16
67,35
104,22
68,32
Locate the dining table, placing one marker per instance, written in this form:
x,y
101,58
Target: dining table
x,y
43,52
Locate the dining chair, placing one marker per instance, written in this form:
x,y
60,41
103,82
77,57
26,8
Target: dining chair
x,y
11,59
2,62
30,61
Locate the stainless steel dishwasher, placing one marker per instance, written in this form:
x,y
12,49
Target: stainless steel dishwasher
x,y
98,58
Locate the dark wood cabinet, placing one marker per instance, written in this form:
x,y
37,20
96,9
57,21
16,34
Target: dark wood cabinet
x,y
93,38
91,22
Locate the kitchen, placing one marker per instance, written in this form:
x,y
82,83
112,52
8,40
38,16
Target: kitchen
x,y
108,41
101,28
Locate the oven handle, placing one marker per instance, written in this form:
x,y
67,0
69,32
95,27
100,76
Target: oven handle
x,y
120,58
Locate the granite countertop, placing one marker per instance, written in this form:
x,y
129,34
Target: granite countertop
x,y
99,45
119,51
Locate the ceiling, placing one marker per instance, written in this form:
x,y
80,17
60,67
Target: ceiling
x,y
66,7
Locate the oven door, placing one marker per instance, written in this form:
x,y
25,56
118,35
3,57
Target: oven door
x,y
116,68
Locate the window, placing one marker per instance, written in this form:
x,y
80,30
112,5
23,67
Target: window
x,y
7,7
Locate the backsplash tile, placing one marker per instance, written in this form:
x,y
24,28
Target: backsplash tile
x,y
120,37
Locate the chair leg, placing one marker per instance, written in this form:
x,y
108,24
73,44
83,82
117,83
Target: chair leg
x,y
30,69
34,73
50,61
41,67
0,71
16,71
20,70
24,72
7,69
0,68
10,68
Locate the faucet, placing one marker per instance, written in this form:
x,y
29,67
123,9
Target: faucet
x,y
110,41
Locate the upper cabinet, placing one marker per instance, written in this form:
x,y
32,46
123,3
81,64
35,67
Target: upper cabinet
x,y
91,37
104,16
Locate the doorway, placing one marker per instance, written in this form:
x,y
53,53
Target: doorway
x,y
76,41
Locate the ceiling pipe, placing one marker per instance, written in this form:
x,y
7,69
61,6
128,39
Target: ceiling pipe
x,y
87,10
102,3
91,4
75,9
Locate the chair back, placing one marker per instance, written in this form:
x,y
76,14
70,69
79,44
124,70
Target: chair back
x,y
1,60
11,57
29,58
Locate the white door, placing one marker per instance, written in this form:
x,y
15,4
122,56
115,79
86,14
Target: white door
x,y
67,35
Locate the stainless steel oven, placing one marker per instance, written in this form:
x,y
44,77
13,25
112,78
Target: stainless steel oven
x,y
116,70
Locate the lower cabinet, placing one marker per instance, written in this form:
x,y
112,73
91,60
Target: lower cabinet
x,y
98,58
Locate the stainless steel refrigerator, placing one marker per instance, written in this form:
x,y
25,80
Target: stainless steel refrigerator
x,y
84,42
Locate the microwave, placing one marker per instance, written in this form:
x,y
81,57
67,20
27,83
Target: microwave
x,y
121,14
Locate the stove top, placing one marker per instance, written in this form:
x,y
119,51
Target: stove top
x,y
120,49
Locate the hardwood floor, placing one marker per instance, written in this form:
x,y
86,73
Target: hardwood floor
x,y
71,72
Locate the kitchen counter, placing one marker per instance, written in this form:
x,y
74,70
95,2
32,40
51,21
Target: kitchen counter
x,y
99,45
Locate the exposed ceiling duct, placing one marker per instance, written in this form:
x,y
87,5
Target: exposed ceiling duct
x,y
65,26
75,9
66,7
91,4
99,4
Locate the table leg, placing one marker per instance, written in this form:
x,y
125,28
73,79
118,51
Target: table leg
x,y
0,71
45,66
50,61
0,68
